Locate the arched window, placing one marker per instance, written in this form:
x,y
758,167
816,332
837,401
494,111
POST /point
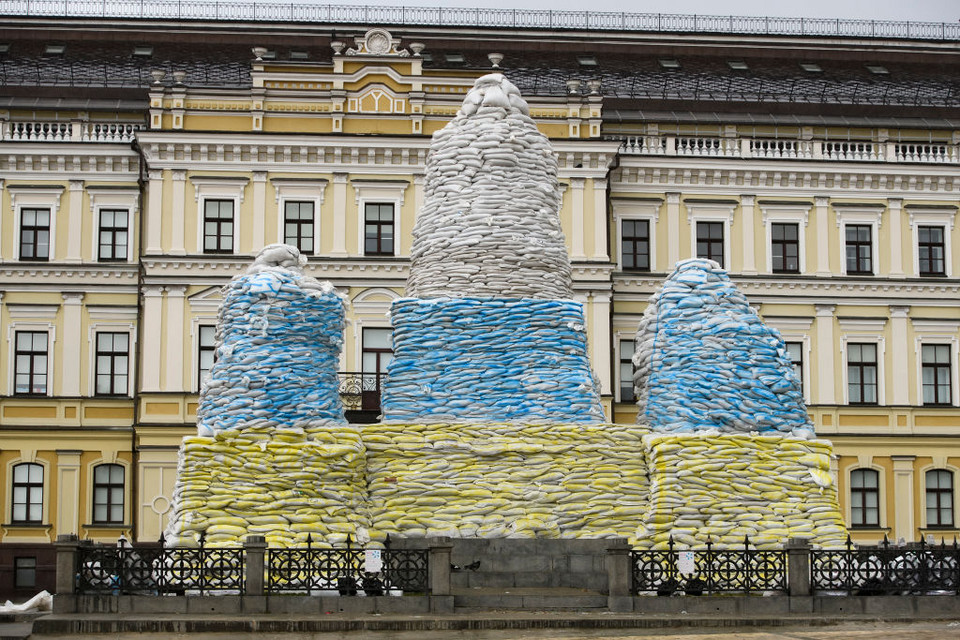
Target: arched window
x,y
27,493
108,494
864,498
939,483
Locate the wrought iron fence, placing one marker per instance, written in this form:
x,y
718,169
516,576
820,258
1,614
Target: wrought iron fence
x,y
709,570
346,571
155,570
479,17
887,569
360,391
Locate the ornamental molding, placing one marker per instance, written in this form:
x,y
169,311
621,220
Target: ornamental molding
x,y
56,275
160,267
376,42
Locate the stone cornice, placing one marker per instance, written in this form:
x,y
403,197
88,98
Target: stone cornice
x,y
58,274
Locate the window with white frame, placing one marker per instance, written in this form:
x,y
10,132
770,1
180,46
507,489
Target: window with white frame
x,y
710,222
635,244
939,498
27,498
635,221
30,362
206,352
785,247
218,226
218,207
379,207
378,229
859,226
627,393
35,209
864,498
795,353
112,363
932,228
35,234
108,494
785,226
298,205
935,374
862,374
298,225
710,241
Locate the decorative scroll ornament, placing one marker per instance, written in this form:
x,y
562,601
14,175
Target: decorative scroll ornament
x,y
377,42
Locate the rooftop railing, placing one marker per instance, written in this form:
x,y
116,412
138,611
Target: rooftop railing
x,y
480,17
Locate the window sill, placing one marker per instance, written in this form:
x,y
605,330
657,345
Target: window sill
x,y
868,529
108,525
26,525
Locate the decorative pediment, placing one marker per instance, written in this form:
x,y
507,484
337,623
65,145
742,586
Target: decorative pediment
x,y
377,42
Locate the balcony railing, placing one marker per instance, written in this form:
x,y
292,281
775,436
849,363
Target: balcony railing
x,y
39,131
479,17
360,391
840,151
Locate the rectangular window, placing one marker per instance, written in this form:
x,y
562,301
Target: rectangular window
x,y
378,230
939,498
377,353
206,352
112,363
114,235
27,493
30,365
626,371
35,234
859,249
108,494
635,244
218,226
785,247
931,251
710,241
795,353
862,373
864,498
936,374
25,572
298,226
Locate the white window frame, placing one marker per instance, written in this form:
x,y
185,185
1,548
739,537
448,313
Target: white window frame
x,y
922,475
116,199
297,190
45,502
110,327
881,496
937,332
789,213
379,191
920,216
864,331
618,337
31,311
871,215
797,330
637,209
35,197
219,188
370,314
711,212
127,498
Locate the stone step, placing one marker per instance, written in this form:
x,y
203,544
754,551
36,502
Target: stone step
x,y
533,602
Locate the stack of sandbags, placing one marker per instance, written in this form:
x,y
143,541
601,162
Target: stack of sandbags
x,y
279,335
725,487
493,480
489,225
489,360
705,360
284,484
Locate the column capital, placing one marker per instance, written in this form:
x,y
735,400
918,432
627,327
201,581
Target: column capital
x,y
72,298
600,184
577,183
179,175
259,176
895,203
748,200
76,185
152,291
177,291
825,310
155,174
821,201
673,197
341,178
899,311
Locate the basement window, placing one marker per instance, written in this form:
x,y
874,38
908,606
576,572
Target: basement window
x,y
454,58
299,55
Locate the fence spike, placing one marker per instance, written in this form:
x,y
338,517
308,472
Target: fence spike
x,y
923,542
163,539
942,542
849,542
886,541
309,541
203,538
387,541
746,543
349,541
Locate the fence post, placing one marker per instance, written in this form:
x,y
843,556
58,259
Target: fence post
x,y
255,548
439,581
798,567
619,577
67,545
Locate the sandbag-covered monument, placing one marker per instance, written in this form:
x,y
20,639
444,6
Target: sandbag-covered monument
x,y
492,425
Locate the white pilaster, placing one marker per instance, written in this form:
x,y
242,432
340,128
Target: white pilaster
x,y
748,212
72,339
178,213
673,230
899,353
68,491
417,204
175,327
340,214
154,213
600,248
576,231
826,348
599,337
903,497
259,210
74,223
821,207
151,355
895,209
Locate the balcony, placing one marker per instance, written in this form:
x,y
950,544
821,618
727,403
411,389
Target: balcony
x,y
57,131
785,149
360,394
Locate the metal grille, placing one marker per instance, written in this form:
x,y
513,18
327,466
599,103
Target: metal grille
x,y
342,570
154,570
887,569
742,570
